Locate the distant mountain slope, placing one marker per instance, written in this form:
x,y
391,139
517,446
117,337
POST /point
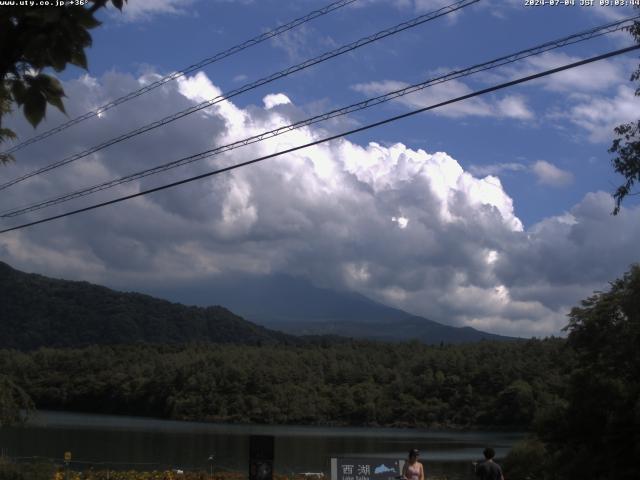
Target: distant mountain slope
x,y
296,306
39,311
402,330
280,299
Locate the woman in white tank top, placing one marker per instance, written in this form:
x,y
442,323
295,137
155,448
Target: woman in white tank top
x,y
413,469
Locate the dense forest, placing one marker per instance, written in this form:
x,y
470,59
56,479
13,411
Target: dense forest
x,y
357,383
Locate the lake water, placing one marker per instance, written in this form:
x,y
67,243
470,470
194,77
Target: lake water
x,y
142,443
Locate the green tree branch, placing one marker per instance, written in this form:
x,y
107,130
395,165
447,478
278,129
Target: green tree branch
x,y
626,145
33,39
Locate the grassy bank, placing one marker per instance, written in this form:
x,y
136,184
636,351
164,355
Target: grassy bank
x,y
45,471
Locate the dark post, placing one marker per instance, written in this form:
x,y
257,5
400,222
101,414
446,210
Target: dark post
x,y
67,460
261,457
210,460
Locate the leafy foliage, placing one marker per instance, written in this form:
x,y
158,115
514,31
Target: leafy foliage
x,y
526,461
603,417
30,471
5,133
626,145
15,404
593,432
33,39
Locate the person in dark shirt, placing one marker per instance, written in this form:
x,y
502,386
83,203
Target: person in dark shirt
x,y
488,470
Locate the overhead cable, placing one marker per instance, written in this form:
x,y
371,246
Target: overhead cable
x,y
495,63
329,138
181,73
250,86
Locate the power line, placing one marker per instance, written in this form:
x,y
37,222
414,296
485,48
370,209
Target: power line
x,y
332,137
501,61
250,86
181,73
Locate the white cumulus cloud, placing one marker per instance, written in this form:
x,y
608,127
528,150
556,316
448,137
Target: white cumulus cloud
x,y
506,107
597,115
549,174
275,99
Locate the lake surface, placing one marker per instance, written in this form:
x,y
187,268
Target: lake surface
x,y
121,442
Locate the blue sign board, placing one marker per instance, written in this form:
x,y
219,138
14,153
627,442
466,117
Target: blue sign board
x,y
365,468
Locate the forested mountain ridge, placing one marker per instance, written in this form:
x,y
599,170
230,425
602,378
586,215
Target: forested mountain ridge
x,y
38,311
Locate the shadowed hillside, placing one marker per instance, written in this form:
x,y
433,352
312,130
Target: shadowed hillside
x,y
38,311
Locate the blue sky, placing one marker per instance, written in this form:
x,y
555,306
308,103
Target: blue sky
x,y
513,213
